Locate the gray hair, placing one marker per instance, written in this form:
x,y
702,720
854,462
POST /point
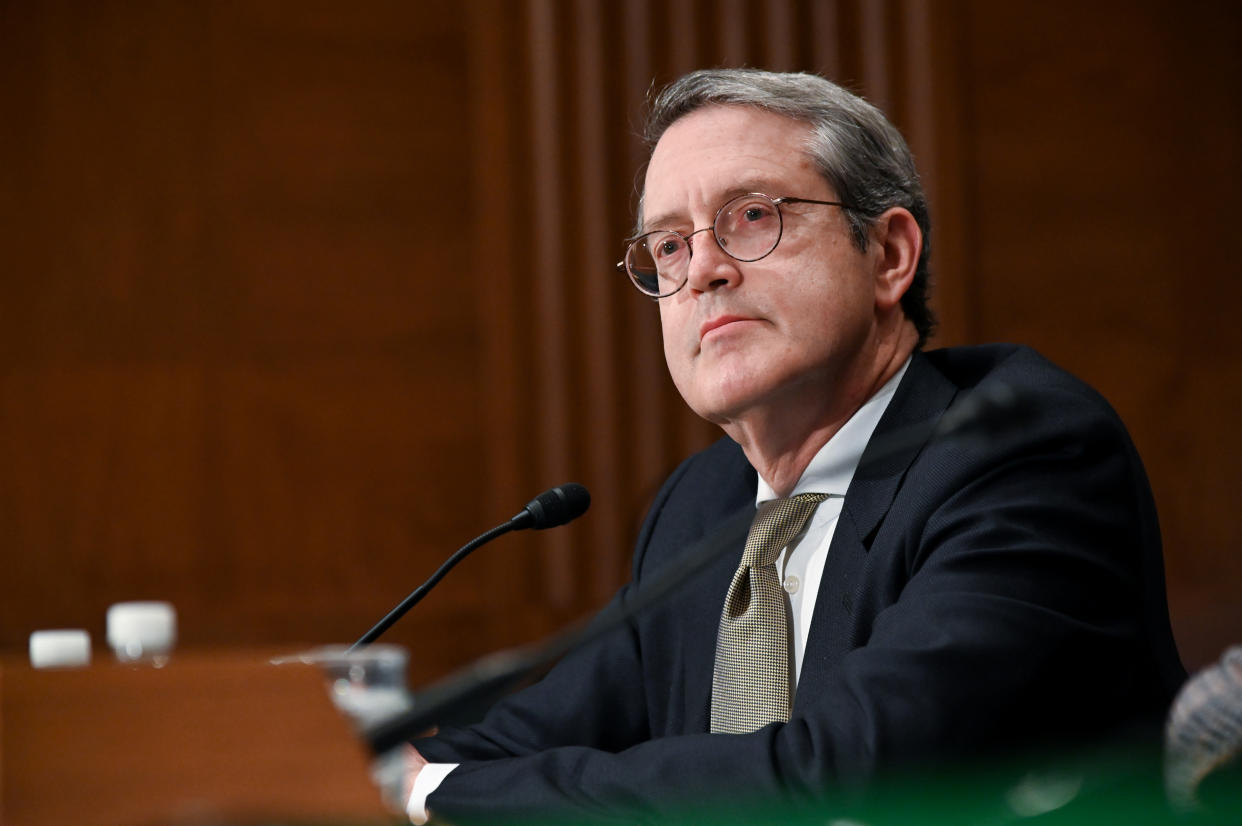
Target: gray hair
x,y
856,149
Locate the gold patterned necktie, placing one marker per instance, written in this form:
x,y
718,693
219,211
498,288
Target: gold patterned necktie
x,y
750,682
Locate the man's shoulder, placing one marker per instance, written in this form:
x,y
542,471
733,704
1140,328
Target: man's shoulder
x,y
1039,381
971,365
1051,413
705,489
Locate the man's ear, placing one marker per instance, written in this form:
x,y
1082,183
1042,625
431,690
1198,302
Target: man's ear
x,y
898,241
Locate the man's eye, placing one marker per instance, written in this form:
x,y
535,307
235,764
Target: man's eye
x,y
755,213
668,247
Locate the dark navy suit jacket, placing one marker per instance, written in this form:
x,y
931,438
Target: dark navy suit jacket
x,y
977,595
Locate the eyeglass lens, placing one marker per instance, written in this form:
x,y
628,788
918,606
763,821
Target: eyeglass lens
x,y
747,228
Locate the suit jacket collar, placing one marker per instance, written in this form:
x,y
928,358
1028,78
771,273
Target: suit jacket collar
x,y
921,398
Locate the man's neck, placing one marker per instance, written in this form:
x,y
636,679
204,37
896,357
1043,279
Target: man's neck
x,y
782,437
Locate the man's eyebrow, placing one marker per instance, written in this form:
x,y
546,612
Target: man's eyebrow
x,y
667,219
660,221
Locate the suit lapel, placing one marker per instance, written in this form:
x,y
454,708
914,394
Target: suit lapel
x,y
922,396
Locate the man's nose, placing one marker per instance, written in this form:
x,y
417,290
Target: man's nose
x,y
710,266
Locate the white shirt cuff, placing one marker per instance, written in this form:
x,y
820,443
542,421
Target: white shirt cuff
x,y
428,780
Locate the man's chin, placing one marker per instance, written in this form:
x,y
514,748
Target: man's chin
x,y
727,406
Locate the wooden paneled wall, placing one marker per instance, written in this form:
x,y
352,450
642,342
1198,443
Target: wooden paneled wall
x,y
240,351
1104,172
298,297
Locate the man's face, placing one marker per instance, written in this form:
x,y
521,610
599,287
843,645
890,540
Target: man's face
x,y
740,336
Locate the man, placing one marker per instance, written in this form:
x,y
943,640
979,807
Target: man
x,y
927,600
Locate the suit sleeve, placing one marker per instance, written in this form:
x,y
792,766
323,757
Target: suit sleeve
x,y
1000,596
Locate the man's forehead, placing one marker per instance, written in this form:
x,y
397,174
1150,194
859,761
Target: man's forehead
x,y
718,152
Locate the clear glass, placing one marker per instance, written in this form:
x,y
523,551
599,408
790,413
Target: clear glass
x,y
747,228
142,632
368,686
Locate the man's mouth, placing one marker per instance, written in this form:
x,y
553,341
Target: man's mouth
x,y
720,321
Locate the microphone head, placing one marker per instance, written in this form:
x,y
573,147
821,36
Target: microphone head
x,y
561,504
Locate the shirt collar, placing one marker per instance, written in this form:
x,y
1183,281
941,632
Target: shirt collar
x,y
832,468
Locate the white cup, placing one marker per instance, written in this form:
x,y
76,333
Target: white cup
x,y
60,648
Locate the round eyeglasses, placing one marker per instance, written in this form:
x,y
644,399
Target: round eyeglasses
x,y
747,228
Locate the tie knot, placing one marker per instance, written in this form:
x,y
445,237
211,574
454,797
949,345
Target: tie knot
x,y
776,523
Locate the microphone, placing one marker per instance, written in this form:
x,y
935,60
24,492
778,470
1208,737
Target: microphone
x,y
461,695
550,509
553,508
